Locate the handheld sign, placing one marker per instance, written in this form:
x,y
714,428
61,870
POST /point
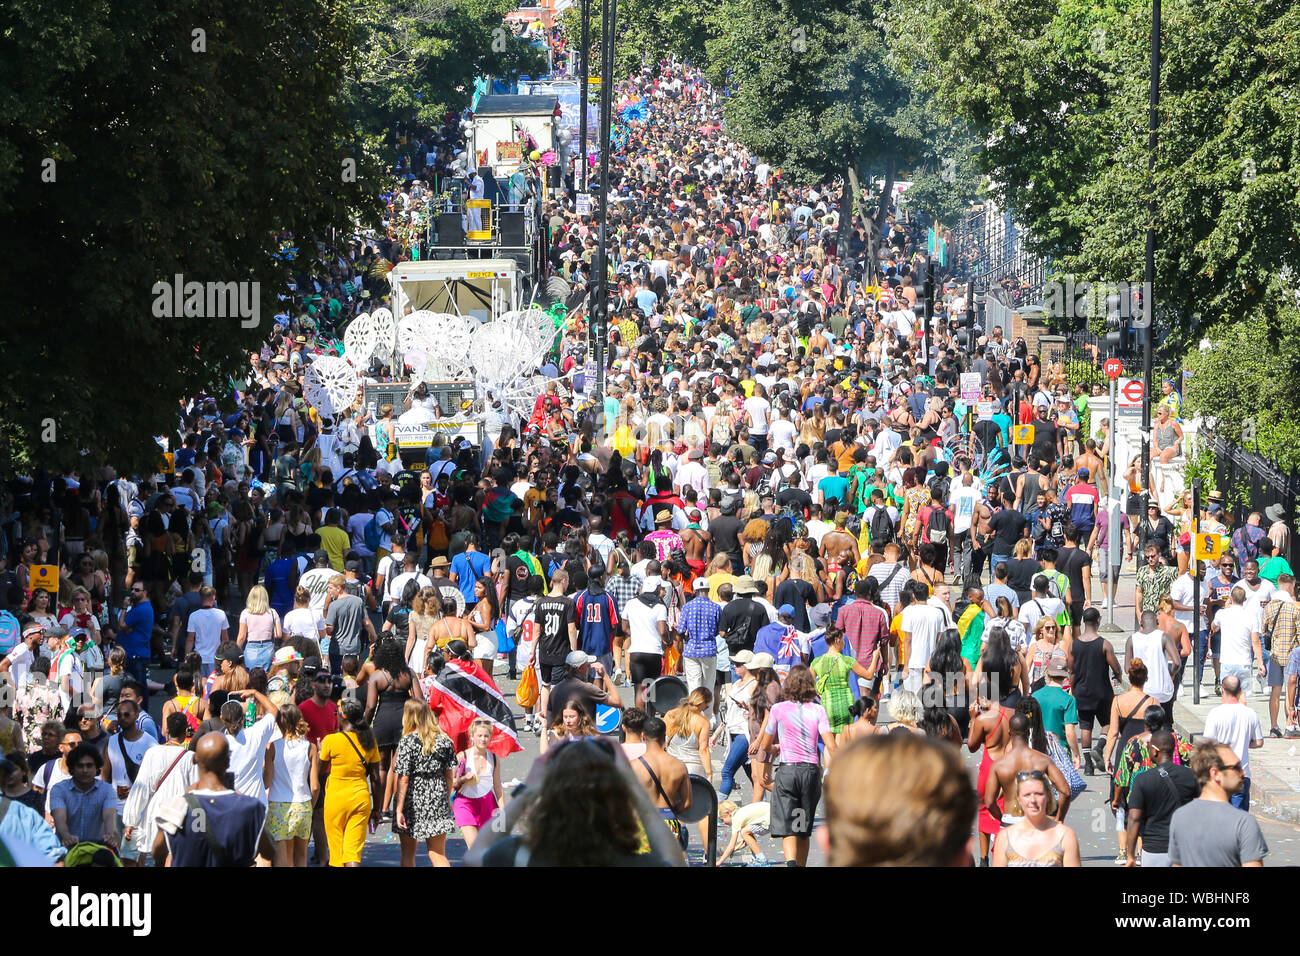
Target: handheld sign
x,y
1024,434
45,577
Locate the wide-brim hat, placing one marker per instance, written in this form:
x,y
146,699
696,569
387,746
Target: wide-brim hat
x,y
744,585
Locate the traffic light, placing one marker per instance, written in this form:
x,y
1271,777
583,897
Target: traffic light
x,y
1116,340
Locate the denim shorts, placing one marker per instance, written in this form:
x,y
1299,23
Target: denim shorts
x,y
259,654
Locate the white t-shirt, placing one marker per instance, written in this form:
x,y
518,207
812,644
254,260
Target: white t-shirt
x,y
305,622
317,582
964,500
1181,592
1256,597
1236,623
783,433
20,663
758,410
925,623
134,749
206,624
1034,609
1235,726
69,665
643,626
248,755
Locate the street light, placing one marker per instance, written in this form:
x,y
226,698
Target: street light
x,y
1148,297
600,306
581,179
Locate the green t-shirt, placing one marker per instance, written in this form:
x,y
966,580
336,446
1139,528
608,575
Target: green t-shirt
x,y
1059,709
1271,568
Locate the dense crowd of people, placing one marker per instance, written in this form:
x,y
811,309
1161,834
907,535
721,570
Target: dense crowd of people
x,y
782,555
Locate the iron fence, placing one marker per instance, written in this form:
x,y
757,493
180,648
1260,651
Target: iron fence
x,y
1250,482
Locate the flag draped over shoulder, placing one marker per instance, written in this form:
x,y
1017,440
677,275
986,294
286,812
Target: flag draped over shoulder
x,y
464,692
971,627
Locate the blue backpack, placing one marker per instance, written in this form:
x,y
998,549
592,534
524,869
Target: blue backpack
x,y
373,534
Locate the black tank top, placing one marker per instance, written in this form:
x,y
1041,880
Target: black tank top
x,y
1130,727
1091,684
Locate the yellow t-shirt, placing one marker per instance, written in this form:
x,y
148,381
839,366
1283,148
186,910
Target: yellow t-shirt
x,y
334,542
894,633
716,581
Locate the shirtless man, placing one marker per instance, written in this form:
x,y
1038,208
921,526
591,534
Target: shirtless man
x,y
1092,461
839,552
697,543
664,778
1019,757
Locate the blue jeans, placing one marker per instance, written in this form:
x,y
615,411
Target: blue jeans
x,y
737,757
259,654
994,562
1241,799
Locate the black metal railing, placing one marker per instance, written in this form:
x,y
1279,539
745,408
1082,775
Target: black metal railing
x,y
1250,482
991,251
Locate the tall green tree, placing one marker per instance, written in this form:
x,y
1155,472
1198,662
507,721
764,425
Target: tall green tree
x,y
812,87
141,140
418,59
1058,91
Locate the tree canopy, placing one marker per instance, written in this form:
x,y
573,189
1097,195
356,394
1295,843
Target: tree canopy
x,y
134,150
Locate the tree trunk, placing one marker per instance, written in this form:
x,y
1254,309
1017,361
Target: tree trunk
x,y
885,192
847,195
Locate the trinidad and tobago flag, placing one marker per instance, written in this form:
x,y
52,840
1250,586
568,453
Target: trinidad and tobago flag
x,y
462,693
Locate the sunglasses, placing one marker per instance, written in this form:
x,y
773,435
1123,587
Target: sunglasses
x,y
1031,775
1231,766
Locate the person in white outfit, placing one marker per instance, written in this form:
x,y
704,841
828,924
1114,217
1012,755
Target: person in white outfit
x,y
1160,654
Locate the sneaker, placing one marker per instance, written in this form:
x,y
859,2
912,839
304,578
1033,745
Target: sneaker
x,y
619,677
1293,731
1102,604
1274,732
760,861
1120,859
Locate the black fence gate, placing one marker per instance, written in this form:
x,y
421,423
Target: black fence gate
x,y
1250,482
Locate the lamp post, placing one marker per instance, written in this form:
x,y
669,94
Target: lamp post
x,y
1149,276
600,307
581,179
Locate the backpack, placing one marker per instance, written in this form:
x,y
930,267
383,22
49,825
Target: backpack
x,y
941,485
882,526
938,526
722,430
737,636
700,257
1056,531
374,534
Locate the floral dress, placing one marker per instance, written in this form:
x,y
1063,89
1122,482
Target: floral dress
x,y
428,805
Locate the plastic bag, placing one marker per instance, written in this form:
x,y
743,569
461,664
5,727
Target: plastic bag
x,y
526,693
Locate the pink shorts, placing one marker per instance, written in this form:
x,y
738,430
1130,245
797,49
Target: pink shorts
x,y
474,811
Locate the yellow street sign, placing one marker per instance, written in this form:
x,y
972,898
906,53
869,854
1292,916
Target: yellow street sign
x,y
168,464
1208,547
45,577
1024,434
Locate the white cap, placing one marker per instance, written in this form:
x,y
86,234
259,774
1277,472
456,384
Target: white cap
x,y
700,584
